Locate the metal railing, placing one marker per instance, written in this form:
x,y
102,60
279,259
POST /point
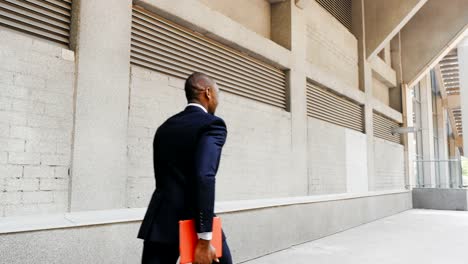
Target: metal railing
x,y
439,174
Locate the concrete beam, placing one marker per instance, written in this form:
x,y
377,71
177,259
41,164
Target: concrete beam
x,y
383,72
452,124
453,101
440,84
463,64
302,4
432,32
384,19
459,142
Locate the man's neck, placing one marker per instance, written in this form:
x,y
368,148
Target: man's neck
x,y
197,104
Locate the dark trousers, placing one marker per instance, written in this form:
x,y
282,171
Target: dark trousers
x,y
159,253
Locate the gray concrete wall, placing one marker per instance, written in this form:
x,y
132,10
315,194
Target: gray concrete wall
x,y
389,165
331,48
36,121
250,233
356,162
252,14
380,91
440,199
336,158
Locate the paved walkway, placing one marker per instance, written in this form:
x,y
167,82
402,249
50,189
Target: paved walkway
x,y
413,237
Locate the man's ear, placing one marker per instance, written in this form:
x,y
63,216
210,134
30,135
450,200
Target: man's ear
x,y
208,92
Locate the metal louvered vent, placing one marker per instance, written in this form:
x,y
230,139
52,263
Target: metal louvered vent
x,y
165,47
330,107
383,128
340,9
47,19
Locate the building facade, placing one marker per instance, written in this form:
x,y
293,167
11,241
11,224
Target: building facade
x,y
315,95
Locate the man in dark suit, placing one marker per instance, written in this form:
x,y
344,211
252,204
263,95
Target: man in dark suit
x,y
186,154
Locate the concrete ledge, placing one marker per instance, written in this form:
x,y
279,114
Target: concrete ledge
x,y
440,199
251,233
318,75
102,217
387,110
383,72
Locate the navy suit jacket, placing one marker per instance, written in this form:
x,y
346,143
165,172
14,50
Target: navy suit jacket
x,y
186,154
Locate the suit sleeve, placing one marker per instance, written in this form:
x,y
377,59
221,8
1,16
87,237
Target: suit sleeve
x,y
207,157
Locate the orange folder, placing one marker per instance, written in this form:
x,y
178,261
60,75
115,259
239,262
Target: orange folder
x,y
188,239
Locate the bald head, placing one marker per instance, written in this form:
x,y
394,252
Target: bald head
x,y
200,88
195,84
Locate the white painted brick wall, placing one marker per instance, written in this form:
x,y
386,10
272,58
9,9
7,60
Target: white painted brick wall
x,y
389,165
256,159
326,157
36,115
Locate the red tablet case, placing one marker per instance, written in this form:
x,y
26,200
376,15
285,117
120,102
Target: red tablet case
x,y
188,239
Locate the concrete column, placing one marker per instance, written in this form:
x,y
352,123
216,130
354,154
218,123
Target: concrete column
x,y
408,138
401,100
369,125
99,161
427,131
297,93
463,64
396,96
365,84
442,143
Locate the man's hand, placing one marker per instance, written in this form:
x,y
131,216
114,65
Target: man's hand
x,y
205,253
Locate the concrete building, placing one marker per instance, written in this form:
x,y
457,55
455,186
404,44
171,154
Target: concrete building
x,y
438,100
317,96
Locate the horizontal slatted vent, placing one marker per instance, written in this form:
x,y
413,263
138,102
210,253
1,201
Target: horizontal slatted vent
x,y
162,46
47,19
383,128
340,9
333,108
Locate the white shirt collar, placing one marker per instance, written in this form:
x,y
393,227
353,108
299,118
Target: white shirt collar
x,y
198,105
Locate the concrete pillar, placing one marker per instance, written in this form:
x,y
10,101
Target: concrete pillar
x,y
408,138
463,64
99,161
396,94
369,125
442,143
297,93
365,84
427,132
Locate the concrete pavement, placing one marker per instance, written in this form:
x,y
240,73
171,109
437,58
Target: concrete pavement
x,y
414,236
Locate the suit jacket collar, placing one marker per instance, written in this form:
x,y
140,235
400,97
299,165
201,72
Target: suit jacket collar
x,y
195,107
